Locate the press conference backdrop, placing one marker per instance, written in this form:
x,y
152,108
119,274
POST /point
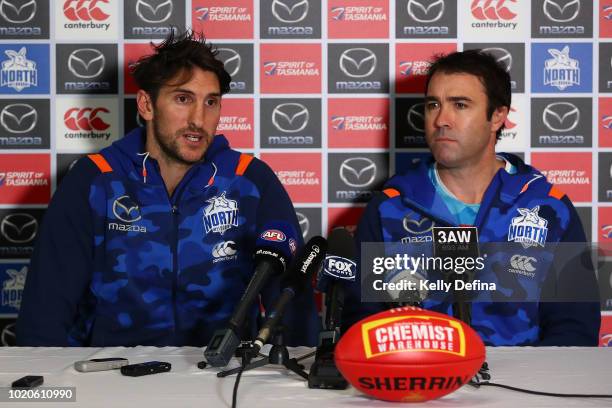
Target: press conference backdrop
x,y
328,93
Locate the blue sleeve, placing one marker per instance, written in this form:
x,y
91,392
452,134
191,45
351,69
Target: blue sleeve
x,y
61,265
301,320
368,230
573,323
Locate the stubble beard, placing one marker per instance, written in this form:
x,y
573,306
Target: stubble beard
x,y
170,147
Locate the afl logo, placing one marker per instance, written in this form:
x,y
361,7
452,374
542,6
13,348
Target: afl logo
x,y
273,235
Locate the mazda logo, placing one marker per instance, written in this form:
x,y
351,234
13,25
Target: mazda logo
x,y
17,14
559,12
18,118
290,117
304,223
86,63
416,117
19,228
425,11
8,336
358,172
422,226
358,62
150,13
126,210
231,60
290,14
561,116
501,55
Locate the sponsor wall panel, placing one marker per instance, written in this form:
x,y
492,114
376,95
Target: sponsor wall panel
x,y
412,62
18,229
12,280
223,18
283,71
86,124
25,179
300,174
289,19
358,18
354,123
605,332
24,124
569,172
24,20
86,19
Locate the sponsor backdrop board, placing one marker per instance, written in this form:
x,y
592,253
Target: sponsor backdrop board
x,y
328,93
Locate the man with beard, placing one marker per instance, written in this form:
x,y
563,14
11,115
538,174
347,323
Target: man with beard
x,y
151,241
466,183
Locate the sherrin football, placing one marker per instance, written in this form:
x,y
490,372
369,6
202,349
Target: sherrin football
x,y
409,354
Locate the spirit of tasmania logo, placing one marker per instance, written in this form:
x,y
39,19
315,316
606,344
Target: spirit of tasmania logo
x,y
412,333
220,215
528,229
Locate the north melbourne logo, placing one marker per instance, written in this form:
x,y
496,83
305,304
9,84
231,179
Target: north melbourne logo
x,y
561,71
220,215
13,288
528,229
18,72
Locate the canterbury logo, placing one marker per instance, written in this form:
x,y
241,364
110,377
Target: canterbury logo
x,y
85,10
226,248
85,119
523,263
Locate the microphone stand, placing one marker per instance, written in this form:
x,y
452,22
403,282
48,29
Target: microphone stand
x,y
278,355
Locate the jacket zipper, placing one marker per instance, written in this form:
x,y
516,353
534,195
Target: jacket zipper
x,y
175,266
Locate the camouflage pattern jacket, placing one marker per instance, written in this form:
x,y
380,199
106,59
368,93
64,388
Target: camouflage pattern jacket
x,y
119,262
409,207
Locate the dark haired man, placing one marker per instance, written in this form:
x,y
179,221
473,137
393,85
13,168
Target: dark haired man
x,y
150,241
467,100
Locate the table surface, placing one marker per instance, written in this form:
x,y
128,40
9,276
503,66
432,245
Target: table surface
x,y
552,369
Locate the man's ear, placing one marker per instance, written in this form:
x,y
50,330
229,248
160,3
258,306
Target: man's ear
x,y
498,118
144,102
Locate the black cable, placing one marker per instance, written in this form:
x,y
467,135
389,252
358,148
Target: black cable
x,y
548,394
245,361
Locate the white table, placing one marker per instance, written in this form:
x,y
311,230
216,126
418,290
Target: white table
x,y
577,370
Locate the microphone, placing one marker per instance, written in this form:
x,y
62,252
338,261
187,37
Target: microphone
x,y
273,250
300,274
339,265
407,297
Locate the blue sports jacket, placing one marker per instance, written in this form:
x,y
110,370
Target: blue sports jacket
x,y
120,263
410,206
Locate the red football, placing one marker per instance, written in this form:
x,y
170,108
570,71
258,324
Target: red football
x,y
409,354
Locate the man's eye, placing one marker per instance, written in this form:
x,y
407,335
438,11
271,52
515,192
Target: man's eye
x,y
183,98
431,105
461,105
212,102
